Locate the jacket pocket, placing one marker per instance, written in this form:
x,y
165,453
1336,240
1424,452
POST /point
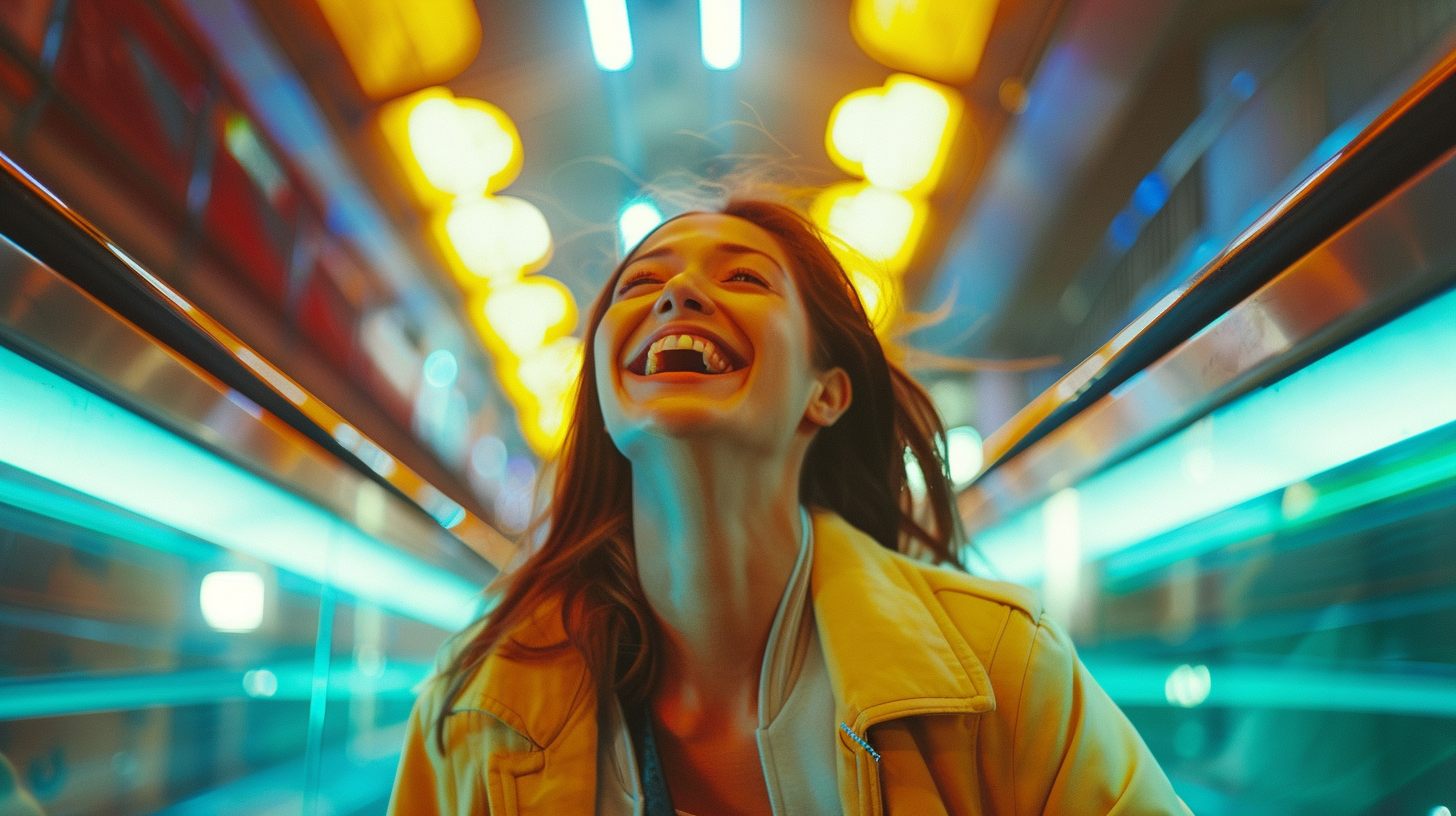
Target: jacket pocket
x,y
501,774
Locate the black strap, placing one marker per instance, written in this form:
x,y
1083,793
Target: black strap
x,y
657,801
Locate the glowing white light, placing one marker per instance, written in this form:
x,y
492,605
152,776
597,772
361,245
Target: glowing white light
x,y
722,27
895,136
637,219
497,236
1062,535
458,148
260,683
875,222
232,601
871,295
611,33
521,314
1440,810
273,376
1188,686
441,369
553,369
963,453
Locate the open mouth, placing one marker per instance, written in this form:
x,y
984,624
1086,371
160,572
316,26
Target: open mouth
x,y
683,353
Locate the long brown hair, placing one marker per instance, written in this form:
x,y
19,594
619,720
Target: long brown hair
x,y
856,468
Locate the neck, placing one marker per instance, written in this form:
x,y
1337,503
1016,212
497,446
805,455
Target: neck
x,y
717,534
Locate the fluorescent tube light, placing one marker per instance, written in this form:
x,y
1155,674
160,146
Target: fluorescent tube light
x,y
1382,388
722,27
60,431
636,221
611,33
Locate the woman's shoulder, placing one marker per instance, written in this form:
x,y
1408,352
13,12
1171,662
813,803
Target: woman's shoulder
x,y
953,586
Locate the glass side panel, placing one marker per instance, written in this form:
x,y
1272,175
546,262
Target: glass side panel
x,y
180,635
1270,593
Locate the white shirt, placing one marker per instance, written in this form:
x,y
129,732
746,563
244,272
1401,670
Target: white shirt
x,y
796,737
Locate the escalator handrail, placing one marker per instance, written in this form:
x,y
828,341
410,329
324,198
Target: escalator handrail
x,y
48,228
1405,138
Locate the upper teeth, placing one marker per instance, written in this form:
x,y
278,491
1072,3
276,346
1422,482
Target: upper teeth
x,y
713,360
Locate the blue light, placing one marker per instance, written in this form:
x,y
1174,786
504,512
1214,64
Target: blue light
x,y
1380,389
441,369
1243,85
1146,683
636,221
611,33
722,28
1151,194
1123,231
59,431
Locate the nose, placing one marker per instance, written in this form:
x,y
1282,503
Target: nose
x,y
682,293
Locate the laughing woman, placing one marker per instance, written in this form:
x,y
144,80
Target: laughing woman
x,y
720,619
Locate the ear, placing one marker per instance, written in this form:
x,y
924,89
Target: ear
x,y
831,398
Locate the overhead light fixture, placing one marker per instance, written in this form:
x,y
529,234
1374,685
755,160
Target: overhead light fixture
x,y
880,225
898,136
611,33
941,39
721,22
526,314
397,46
493,238
637,220
448,146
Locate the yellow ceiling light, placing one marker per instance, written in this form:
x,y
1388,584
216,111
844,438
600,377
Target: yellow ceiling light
x,y
451,146
880,225
878,294
493,238
547,380
897,136
523,316
942,39
396,46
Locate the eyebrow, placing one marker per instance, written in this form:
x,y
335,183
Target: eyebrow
x,y
732,249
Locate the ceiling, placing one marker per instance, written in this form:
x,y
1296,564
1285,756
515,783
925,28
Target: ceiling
x,y
666,126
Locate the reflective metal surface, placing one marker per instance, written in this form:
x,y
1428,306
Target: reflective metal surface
x,y
48,316
1402,248
1416,129
35,294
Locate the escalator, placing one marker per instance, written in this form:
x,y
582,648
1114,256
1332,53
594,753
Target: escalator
x,y
1243,507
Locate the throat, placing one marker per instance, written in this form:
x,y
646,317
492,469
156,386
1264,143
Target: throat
x,y
681,360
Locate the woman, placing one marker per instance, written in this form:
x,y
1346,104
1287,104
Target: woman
x,y
719,621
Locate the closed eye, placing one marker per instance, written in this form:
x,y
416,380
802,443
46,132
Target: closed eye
x,y
639,278
745,275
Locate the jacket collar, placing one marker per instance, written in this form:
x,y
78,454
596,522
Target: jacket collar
x,y
890,647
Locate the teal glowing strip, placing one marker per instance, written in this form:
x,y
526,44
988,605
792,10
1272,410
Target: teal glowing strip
x,y
1132,683
68,694
59,431
1384,387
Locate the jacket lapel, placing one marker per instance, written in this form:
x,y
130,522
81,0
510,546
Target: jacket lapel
x,y
890,648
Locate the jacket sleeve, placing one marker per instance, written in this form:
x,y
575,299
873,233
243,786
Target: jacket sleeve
x,y
424,784
1074,751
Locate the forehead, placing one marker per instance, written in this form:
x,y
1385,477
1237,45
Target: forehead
x,y
703,233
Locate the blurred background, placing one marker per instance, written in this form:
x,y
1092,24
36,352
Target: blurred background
x,y
291,296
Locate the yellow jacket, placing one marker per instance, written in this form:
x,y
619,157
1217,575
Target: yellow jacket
x,y
972,701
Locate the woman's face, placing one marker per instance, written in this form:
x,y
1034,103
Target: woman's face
x,y
706,336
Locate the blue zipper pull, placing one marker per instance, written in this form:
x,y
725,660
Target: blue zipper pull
x,y
875,755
